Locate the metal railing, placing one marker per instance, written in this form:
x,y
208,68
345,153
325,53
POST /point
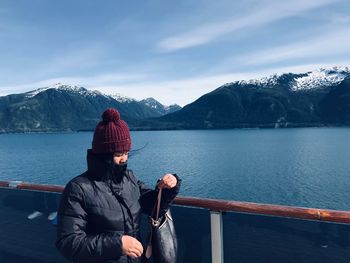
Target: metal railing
x,y
223,205
216,207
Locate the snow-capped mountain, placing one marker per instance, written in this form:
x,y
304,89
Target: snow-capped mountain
x,y
122,98
65,88
160,108
66,107
154,104
321,78
149,102
317,98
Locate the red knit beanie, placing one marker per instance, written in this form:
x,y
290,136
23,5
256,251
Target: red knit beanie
x,y
111,134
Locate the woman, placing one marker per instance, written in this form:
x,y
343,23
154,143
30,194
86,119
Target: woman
x,y
99,213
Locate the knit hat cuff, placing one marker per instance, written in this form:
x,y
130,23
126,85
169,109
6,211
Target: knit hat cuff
x,y
112,146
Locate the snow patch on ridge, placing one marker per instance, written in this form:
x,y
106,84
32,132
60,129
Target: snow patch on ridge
x,y
64,87
264,81
153,103
321,78
121,98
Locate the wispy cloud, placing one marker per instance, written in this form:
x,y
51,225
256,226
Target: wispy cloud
x,y
268,13
337,18
91,82
331,43
79,56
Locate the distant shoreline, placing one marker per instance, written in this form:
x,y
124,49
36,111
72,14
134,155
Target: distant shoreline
x,y
240,127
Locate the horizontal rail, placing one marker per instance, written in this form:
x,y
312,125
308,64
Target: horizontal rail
x,y
266,209
4,184
226,206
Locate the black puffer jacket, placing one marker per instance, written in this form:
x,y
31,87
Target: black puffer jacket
x,y
95,213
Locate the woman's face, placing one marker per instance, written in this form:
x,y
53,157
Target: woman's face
x,y
120,158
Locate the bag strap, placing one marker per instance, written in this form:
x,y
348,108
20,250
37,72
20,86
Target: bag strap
x,y
159,197
155,222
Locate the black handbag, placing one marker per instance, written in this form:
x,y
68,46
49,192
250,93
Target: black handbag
x,y
162,244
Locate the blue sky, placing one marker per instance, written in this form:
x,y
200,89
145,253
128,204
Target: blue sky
x,y
174,51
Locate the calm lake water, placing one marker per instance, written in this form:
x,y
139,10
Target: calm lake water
x,y
303,167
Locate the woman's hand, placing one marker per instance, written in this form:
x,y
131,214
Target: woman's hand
x,y
167,181
131,247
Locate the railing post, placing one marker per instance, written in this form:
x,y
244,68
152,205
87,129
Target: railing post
x,y
217,248
14,184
